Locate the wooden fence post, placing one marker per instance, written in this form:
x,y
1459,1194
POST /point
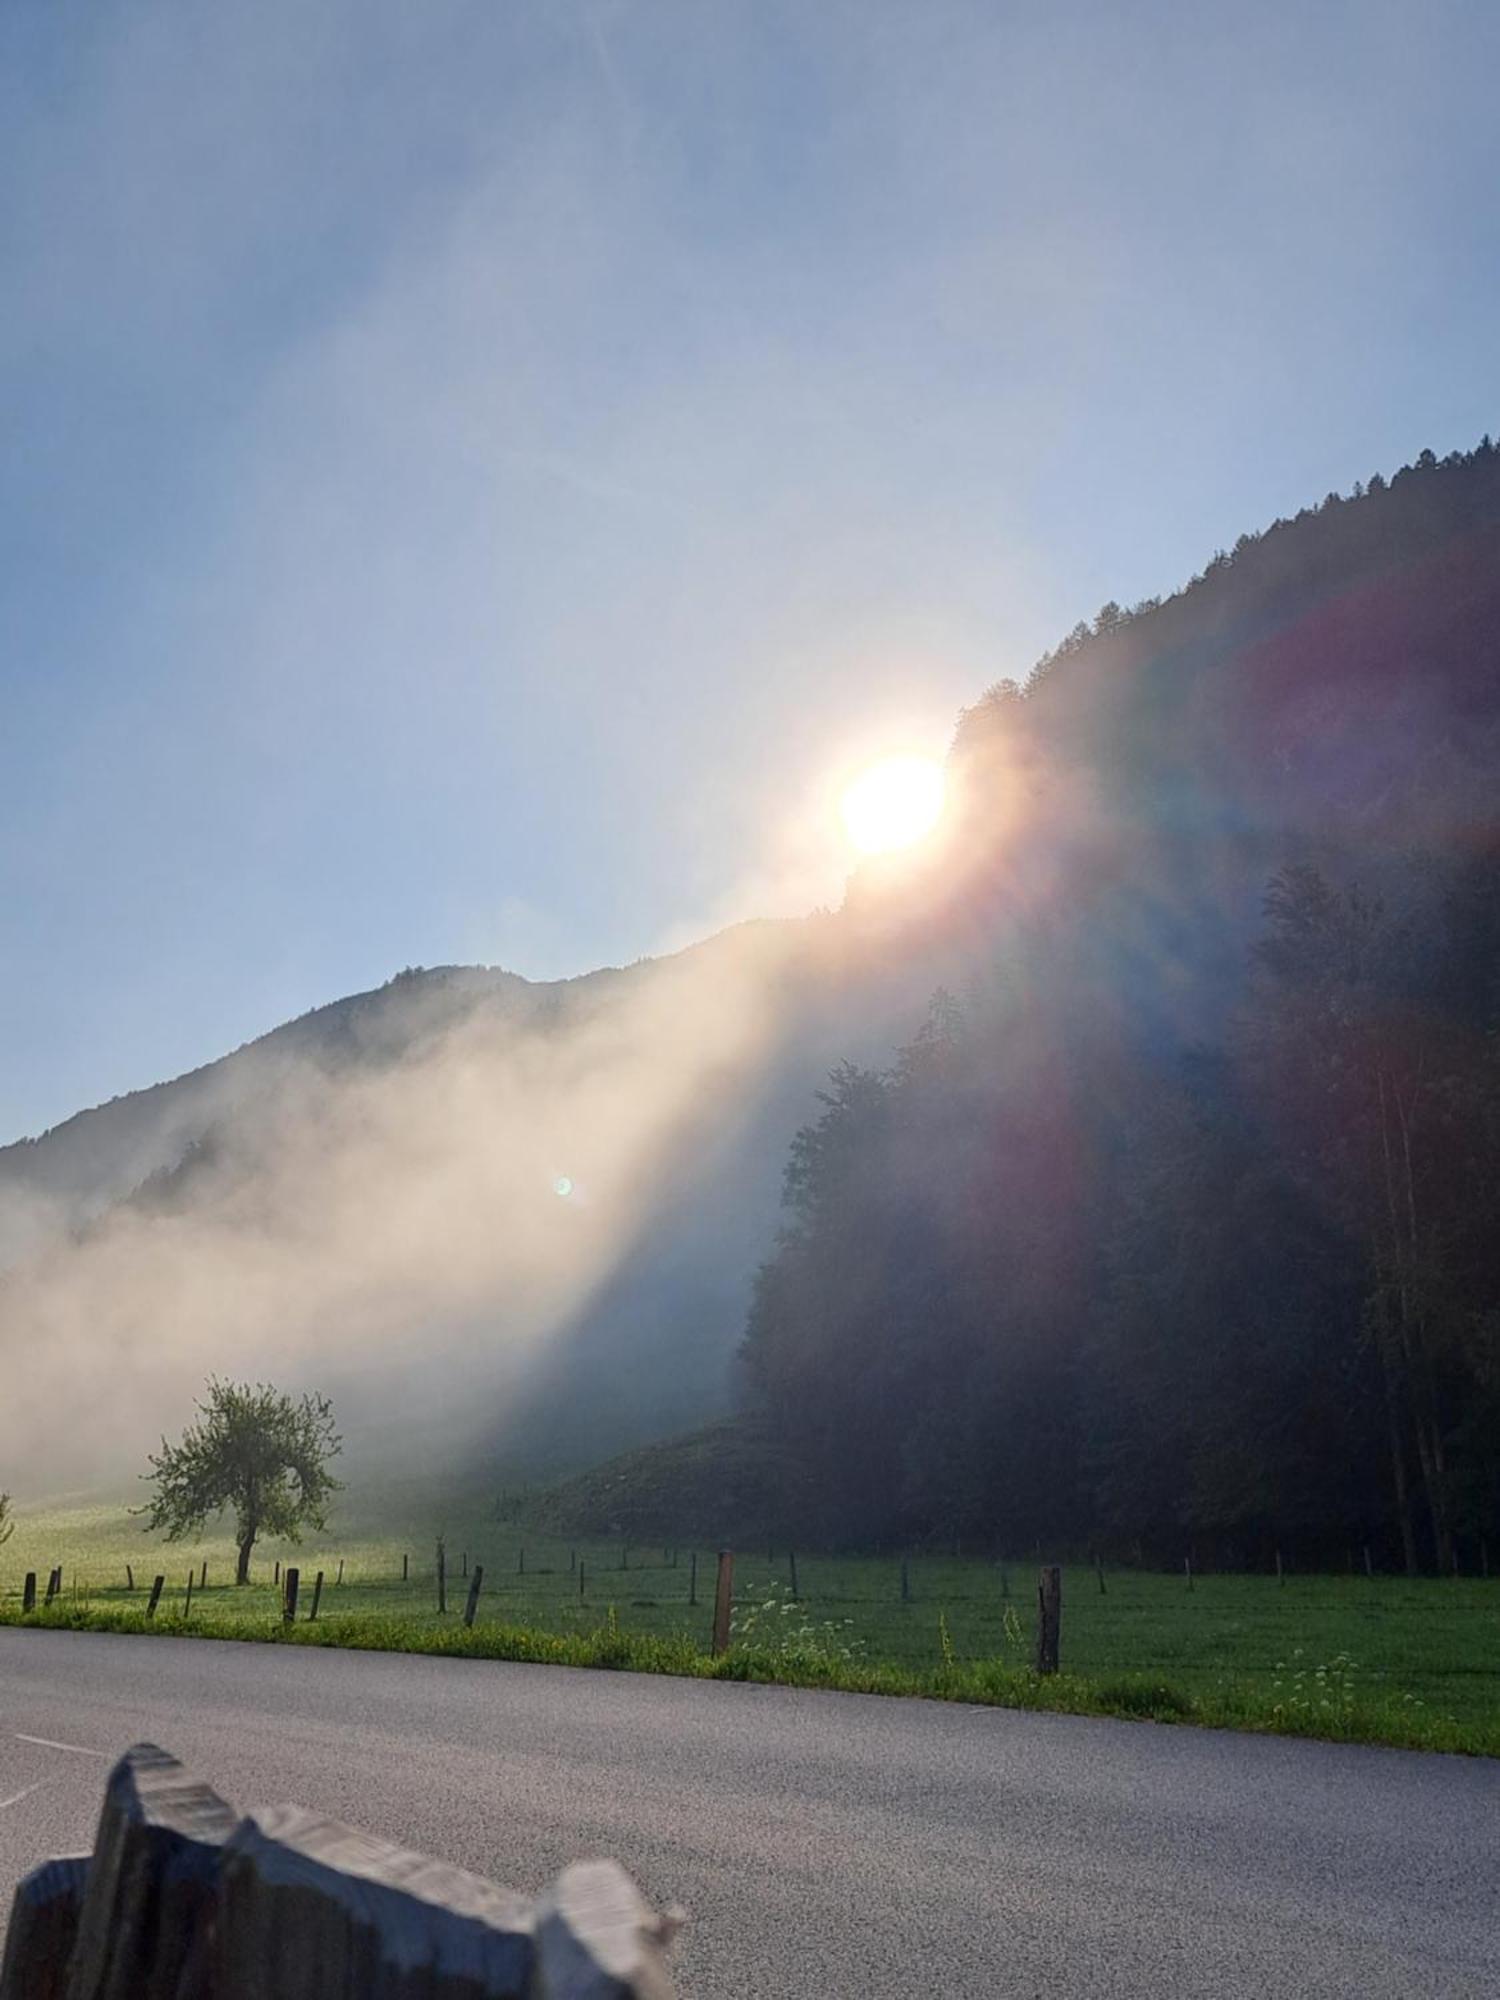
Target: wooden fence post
x,y
580,1577
693,1577
521,1562
464,1563
276,1579
151,1883
28,1591
474,1582
187,1609
289,1595
442,1576
54,1577
317,1596
723,1601
1049,1618
155,1598
129,1577
44,1930
340,1577
404,1562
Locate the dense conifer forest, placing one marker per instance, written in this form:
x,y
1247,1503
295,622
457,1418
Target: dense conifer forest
x,y
1177,1225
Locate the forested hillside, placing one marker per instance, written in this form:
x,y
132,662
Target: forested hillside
x,y
1178,1223
1175,1220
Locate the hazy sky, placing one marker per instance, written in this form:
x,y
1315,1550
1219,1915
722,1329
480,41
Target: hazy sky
x,y
472,474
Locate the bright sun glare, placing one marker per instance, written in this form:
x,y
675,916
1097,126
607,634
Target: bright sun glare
x,y
893,803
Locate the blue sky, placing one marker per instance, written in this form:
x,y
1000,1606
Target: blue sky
x,y
475,475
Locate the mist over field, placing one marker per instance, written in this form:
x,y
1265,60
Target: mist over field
x,y
405,1230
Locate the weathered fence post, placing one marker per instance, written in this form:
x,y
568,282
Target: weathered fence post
x,y
521,1562
179,1901
442,1575
340,1577
1049,1618
474,1582
463,1567
28,1591
129,1577
155,1598
276,1579
317,1596
723,1601
151,1882
54,1583
404,1561
289,1595
580,1577
44,1930
693,1577
187,1609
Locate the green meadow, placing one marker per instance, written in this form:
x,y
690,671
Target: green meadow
x,y
1383,1659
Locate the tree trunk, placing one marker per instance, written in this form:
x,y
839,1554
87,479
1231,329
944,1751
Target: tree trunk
x,y
246,1544
1398,1477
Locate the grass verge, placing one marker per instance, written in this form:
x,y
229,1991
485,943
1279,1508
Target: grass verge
x,y
1315,1704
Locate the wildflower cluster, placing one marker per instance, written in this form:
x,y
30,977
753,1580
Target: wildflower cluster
x,y
778,1623
1325,1690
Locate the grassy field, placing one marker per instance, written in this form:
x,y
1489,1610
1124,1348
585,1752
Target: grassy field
x,y
1383,1660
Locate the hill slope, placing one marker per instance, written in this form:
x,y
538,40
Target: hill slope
x,y
369,1197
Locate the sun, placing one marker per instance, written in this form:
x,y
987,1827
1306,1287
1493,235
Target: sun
x,y
893,804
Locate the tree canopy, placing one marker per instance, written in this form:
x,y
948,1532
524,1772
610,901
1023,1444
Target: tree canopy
x,y
1049,1278
255,1450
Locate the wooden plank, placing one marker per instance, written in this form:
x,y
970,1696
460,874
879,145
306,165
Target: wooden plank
x,y
309,1908
152,1884
474,1583
597,1938
43,1930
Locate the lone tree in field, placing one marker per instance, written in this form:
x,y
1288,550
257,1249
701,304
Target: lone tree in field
x,y
254,1450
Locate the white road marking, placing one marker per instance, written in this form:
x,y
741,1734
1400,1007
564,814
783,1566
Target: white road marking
x,y
78,1749
24,1793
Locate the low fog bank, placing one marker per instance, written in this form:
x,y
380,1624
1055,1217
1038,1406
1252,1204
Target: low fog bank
x,y
404,1226
499,1224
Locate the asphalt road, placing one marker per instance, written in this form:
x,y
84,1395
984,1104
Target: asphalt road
x,y
822,1844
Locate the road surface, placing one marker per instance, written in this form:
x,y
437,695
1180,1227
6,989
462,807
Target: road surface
x,y
822,1844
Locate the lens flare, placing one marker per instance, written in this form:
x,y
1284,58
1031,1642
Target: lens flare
x,y
893,804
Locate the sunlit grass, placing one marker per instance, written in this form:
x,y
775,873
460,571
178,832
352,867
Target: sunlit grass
x,y
1415,1663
